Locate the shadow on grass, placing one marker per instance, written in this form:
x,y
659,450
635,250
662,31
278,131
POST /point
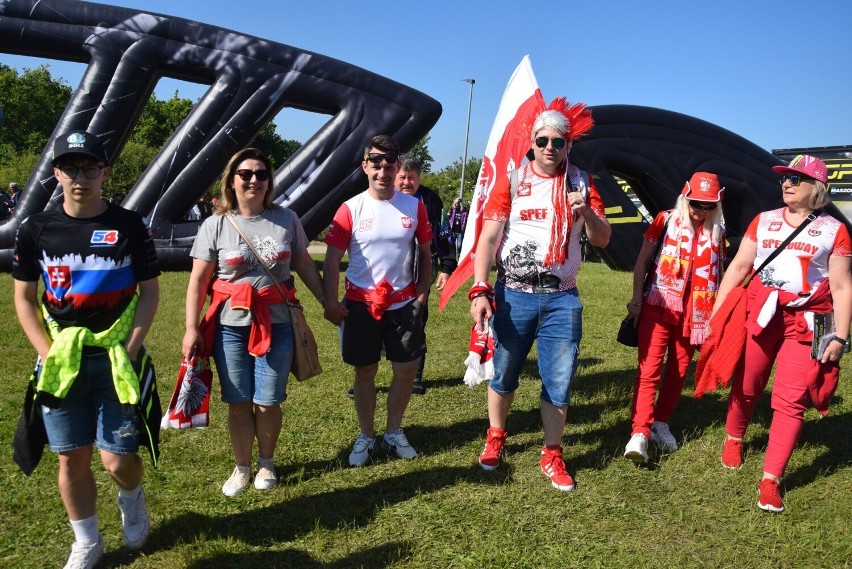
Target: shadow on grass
x,y
383,556
286,521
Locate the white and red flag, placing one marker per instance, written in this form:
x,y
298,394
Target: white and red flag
x,y
506,148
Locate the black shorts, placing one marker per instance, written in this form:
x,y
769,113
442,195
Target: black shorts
x,y
400,333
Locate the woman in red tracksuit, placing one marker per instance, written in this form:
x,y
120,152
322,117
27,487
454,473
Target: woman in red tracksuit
x,y
808,280
672,308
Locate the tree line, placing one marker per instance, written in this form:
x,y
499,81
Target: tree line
x,y
32,101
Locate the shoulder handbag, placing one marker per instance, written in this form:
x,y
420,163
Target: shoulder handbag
x,y
306,362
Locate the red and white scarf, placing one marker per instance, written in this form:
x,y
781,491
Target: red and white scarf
x,y
675,269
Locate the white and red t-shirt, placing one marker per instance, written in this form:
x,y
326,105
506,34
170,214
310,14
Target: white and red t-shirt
x,y
527,233
380,237
803,265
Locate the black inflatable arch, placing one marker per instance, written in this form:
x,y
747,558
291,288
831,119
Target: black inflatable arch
x,y
251,80
656,151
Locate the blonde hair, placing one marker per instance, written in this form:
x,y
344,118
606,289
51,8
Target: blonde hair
x,y
713,223
228,199
819,197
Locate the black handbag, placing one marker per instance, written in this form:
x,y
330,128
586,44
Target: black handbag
x,y
30,434
627,333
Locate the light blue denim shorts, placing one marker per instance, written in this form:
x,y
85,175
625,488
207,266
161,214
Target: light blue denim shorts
x,y
91,412
552,320
244,377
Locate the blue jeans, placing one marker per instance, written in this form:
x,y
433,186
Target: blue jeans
x,y
554,322
92,413
245,377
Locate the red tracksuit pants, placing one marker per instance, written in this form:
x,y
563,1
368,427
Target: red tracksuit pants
x,y
660,333
777,342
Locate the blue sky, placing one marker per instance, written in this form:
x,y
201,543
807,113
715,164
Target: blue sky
x,y
774,72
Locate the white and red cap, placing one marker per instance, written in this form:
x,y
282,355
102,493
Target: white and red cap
x,y
703,187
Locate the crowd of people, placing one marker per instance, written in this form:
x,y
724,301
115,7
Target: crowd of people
x,y
89,331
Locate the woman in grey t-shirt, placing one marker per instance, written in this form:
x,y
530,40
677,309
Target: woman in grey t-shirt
x,y
247,326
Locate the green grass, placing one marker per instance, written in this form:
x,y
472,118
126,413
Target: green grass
x,y
441,510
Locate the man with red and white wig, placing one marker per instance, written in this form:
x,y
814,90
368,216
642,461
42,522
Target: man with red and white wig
x,y
382,309
532,222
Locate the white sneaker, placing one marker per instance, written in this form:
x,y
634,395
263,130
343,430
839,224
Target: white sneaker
x,y
361,450
236,484
135,520
85,556
637,448
397,444
663,437
266,476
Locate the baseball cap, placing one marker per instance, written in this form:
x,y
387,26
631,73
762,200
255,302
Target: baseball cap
x,y
703,187
79,142
808,165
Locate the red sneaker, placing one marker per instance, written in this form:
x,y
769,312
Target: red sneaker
x,y
552,464
769,496
732,454
490,457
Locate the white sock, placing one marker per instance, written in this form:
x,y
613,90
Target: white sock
x,y
129,495
86,531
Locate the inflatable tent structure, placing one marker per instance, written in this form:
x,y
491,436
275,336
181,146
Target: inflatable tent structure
x,y
651,151
251,80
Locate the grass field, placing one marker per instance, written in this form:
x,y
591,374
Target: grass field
x,y
441,510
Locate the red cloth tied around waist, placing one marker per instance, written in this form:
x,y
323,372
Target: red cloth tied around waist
x,y
379,299
246,297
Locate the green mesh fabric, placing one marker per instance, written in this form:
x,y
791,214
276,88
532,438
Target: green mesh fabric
x,y
62,364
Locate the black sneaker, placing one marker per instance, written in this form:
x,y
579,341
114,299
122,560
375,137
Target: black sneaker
x,y
418,388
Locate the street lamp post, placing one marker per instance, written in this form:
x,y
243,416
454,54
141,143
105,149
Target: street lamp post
x,y
466,134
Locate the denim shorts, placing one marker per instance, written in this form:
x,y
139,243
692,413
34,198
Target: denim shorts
x,y
91,413
552,320
245,377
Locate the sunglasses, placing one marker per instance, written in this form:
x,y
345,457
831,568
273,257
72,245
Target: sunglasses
x,y
246,175
794,179
558,143
377,157
703,206
91,172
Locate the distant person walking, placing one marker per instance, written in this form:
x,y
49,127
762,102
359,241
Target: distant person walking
x,y
458,223
443,257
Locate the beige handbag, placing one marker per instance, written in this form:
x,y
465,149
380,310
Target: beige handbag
x,y
306,362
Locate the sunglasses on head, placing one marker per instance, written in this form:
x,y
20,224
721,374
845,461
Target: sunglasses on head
x,y
703,206
246,175
795,179
557,142
377,157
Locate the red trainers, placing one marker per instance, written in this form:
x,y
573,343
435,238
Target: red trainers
x,y
552,464
490,457
769,496
732,453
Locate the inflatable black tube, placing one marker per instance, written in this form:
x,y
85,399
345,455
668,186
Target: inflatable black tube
x,y
251,79
656,152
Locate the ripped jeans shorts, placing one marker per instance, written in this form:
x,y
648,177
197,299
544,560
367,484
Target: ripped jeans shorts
x,y
92,413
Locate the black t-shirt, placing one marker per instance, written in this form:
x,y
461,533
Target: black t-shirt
x,y
90,267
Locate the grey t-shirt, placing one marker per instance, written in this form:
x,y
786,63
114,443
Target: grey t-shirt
x,y
277,234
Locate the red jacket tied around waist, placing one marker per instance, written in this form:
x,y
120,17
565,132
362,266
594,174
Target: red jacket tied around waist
x,y
243,296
